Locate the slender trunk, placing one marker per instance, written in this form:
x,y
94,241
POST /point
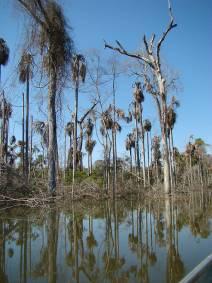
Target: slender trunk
x,y
114,163
65,158
137,143
170,161
147,139
52,148
173,158
23,133
91,163
31,133
88,164
143,145
27,126
113,135
75,130
130,160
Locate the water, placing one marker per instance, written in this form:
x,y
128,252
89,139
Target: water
x,y
151,241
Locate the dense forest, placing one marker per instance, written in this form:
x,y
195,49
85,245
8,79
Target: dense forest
x,y
151,163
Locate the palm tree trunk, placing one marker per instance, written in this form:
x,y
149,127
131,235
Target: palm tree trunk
x,y
52,148
137,144
75,129
114,163
91,163
143,146
65,157
27,126
23,133
130,160
31,133
170,161
147,139
88,164
173,158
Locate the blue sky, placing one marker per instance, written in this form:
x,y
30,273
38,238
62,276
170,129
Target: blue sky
x,y
186,50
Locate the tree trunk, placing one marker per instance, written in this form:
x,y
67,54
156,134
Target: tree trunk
x,y
147,139
130,160
75,128
143,146
137,144
23,133
27,126
167,186
52,148
114,163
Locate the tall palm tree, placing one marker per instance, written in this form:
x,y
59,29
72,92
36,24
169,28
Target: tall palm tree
x,y
89,143
25,74
89,146
78,72
147,129
106,126
139,98
69,130
55,46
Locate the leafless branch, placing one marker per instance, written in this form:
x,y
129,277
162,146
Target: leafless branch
x,y
121,50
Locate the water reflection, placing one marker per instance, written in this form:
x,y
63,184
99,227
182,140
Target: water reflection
x,y
150,241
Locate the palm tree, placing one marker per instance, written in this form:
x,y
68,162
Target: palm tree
x,y
25,74
78,72
89,146
4,54
55,46
106,125
139,98
147,129
89,143
69,130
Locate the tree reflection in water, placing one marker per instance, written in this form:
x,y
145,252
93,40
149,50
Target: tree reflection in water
x,y
104,242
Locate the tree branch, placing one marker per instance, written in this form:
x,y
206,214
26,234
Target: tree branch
x,y
121,50
169,28
86,114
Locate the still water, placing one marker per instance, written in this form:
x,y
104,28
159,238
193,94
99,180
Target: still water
x,y
123,241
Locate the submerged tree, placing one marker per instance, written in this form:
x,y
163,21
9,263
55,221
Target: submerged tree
x,y
150,60
50,37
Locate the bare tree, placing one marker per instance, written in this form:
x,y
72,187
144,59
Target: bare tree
x,y
151,59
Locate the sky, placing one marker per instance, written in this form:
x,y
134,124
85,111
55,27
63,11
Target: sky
x,y
187,51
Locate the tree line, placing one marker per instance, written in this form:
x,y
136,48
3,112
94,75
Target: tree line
x,y
151,160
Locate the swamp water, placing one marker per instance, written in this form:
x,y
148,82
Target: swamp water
x,y
123,241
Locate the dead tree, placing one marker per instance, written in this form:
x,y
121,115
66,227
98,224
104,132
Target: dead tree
x,y
151,60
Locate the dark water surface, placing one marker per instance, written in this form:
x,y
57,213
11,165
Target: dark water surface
x,y
126,241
